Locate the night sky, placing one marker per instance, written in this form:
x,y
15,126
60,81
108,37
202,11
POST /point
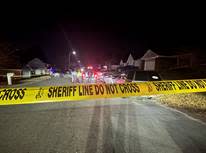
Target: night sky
x,y
102,34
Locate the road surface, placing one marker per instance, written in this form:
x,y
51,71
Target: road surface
x,y
119,125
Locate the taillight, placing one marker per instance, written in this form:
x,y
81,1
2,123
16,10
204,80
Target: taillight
x,y
95,75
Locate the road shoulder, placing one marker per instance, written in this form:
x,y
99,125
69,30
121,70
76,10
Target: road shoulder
x,y
193,104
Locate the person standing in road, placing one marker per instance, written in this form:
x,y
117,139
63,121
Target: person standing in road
x,y
74,76
79,75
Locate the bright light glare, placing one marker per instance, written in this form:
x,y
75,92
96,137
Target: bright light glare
x,y
155,77
82,69
105,67
74,53
89,67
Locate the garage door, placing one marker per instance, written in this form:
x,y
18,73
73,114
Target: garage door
x,y
149,65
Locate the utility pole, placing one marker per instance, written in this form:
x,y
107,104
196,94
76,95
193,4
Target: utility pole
x,y
69,45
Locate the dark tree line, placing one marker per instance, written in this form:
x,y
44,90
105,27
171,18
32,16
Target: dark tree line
x,y
8,56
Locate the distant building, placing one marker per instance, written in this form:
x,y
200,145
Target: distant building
x,y
149,60
154,62
35,67
139,63
121,63
130,60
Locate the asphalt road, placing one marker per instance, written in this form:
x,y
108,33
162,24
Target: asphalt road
x,y
120,125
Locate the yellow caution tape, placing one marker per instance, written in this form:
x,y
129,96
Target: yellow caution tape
x,y
31,95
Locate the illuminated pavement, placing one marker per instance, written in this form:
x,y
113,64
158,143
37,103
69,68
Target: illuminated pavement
x,y
121,125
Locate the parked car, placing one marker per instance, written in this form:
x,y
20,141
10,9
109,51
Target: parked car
x,y
141,76
119,78
107,77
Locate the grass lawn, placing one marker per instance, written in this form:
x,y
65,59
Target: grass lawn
x,y
192,103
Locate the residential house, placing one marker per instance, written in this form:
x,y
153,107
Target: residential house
x,y
130,60
151,61
132,63
121,63
35,67
156,62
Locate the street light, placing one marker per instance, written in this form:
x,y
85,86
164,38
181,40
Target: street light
x,y
74,53
78,61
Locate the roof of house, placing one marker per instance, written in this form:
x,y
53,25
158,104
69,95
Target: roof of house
x,y
36,63
130,58
173,51
149,54
121,62
172,54
166,53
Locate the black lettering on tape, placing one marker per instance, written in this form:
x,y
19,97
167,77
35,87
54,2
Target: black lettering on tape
x,y
121,87
22,93
125,88
107,89
191,84
80,91
96,88
50,92
54,93
110,88
200,83
74,90
12,94
182,85
6,94
90,90
99,89
85,90
59,91
137,87
16,96
164,86
157,86
1,94
129,88
204,81
64,91
116,88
